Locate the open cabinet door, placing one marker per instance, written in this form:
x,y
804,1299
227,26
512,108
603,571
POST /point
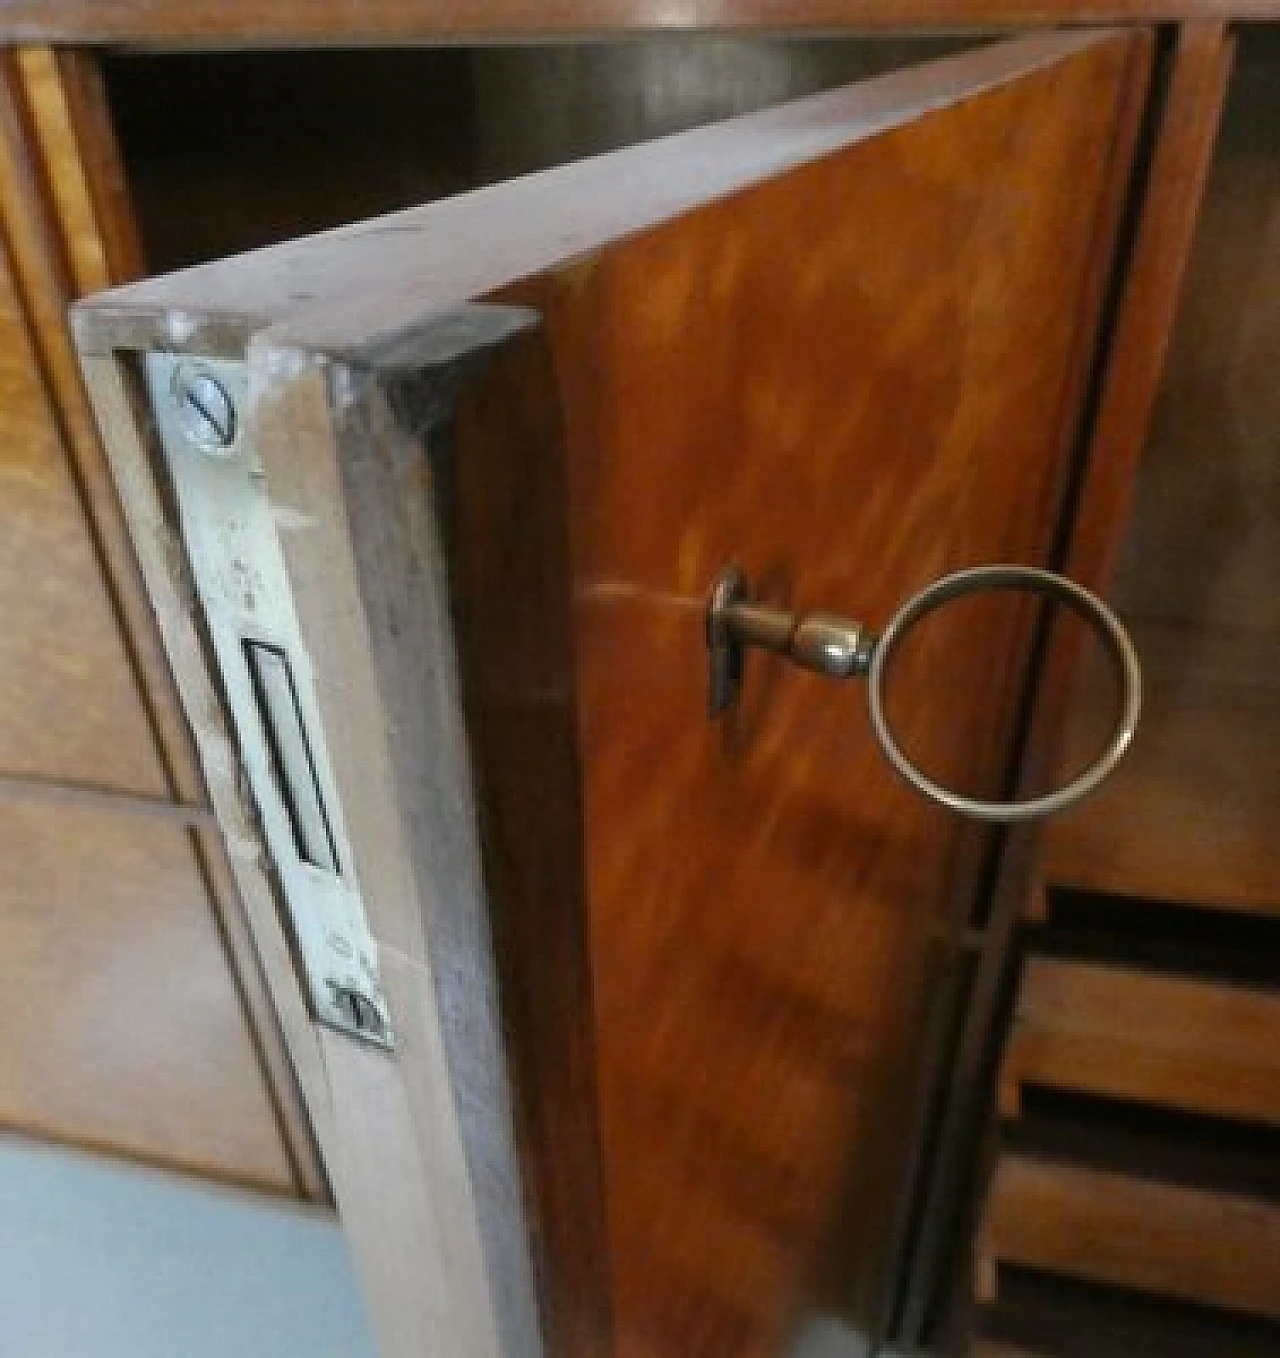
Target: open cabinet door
x,y
608,1014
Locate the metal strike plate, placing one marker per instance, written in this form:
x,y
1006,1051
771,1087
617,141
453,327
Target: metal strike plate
x,y
238,567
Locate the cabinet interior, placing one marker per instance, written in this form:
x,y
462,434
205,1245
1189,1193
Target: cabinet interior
x,y
1137,1084
1193,816
227,151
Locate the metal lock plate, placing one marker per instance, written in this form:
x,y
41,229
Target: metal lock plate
x,y
230,534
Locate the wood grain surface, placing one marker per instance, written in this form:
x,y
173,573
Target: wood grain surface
x,y
406,1130
42,253
1075,698
1145,324
418,1151
69,705
364,552
89,717
728,354
1130,387
1210,1248
1192,814
374,280
1052,1316
205,23
1204,549
128,1034
71,122
1160,1039
747,904
1183,130
502,493
402,126
1181,125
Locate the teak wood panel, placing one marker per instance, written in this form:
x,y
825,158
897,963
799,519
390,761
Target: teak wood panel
x,y
239,23
734,325
341,290
1203,1247
128,1035
1193,814
767,904
1201,70
70,123
56,169
69,705
1204,1047
1053,1316
1203,550
171,1056
1163,213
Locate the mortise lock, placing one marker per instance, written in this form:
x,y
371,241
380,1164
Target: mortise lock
x,y
237,564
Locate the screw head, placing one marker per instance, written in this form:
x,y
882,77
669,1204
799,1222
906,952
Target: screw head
x,y
361,1013
205,410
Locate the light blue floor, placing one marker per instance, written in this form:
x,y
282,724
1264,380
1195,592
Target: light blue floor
x,y
104,1260
101,1260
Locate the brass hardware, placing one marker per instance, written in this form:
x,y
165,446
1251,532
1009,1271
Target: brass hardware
x,y
820,642
841,649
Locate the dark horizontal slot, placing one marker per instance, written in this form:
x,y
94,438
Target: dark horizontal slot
x,y
292,762
1068,1318
1186,940
1216,1154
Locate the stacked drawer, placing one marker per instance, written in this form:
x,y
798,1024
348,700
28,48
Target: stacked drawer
x,y
1134,1204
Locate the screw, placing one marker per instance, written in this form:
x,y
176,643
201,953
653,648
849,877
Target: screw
x,y
361,1013
207,412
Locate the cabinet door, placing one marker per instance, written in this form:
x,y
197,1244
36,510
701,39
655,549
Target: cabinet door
x,y
657,982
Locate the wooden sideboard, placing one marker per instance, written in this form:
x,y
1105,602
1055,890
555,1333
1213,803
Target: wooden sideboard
x,y
153,1028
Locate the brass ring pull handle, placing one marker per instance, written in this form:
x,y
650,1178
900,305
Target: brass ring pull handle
x,y
841,649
